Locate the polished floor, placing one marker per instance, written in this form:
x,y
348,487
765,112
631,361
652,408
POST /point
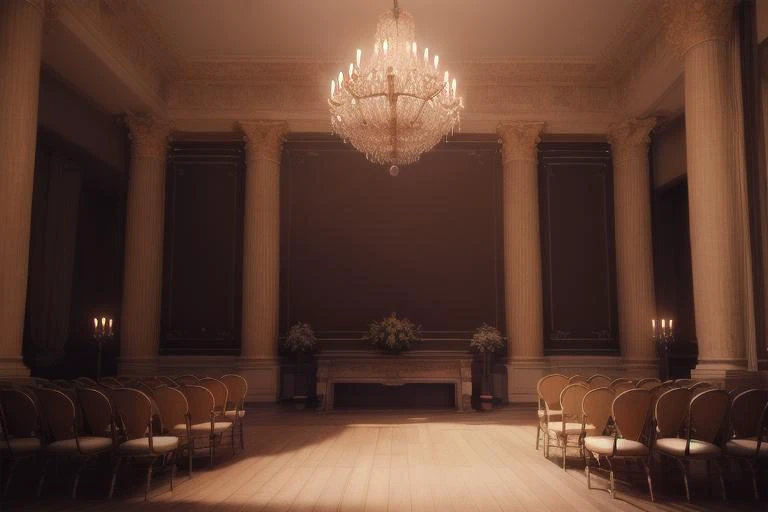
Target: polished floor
x,y
385,460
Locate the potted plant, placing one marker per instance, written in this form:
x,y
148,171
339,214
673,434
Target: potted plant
x,y
394,334
301,340
486,341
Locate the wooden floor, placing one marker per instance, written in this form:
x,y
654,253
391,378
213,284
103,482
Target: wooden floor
x,y
388,460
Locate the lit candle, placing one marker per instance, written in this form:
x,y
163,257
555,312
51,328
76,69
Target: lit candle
x,y
437,60
453,87
653,325
358,56
110,327
414,48
447,82
341,79
95,326
426,55
333,88
386,46
351,69
670,326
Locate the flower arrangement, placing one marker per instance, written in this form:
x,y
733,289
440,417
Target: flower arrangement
x,y
394,334
301,338
487,339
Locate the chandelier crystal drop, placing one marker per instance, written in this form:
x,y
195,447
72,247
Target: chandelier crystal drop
x,y
396,104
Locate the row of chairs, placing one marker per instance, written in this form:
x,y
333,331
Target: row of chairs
x,y
681,421
149,419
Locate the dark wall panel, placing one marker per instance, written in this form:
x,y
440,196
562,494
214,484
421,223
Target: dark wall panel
x,y
203,248
578,247
358,243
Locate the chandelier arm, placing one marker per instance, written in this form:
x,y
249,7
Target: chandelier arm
x,y
421,108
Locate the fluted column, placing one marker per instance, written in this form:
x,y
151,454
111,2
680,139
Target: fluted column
x,y
522,257
634,250
145,220
701,31
261,256
21,25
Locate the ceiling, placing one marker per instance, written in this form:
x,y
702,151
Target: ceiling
x,y
330,30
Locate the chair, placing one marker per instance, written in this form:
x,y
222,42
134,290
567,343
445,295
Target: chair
x,y
577,378
186,379
203,418
20,423
700,386
749,421
86,382
705,418
599,380
125,379
619,380
630,413
135,414
167,380
647,382
571,423
685,383
110,382
548,390
175,419
237,387
596,409
61,419
621,386
98,416
152,382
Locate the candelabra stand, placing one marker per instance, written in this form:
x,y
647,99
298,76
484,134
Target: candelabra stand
x,y
662,343
100,337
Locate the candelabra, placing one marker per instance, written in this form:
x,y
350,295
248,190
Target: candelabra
x,y
662,341
101,332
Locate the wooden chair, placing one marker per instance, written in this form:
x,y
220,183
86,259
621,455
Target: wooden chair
x,y
630,413
704,423
20,423
86,382
599,380
647,382
577,378
621,386
685,383
61,419
596,409
203,418
749,422
237,388
175,418
110,382
571,423
548,389
135,415
98,415
188,379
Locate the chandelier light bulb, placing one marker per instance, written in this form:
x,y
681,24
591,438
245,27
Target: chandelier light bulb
x,y
414,48
333,88
351,69
437,60
341,79
426,55
358,56
453,87
386,46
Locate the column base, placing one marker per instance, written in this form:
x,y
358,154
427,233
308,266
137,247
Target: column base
x,y
13,368
728,374
263,376
137,366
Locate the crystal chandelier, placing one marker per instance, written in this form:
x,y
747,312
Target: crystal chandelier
x,y
396,105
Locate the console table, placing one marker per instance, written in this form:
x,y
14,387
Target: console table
x,y
409,368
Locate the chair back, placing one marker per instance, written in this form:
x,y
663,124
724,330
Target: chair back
x,y
621,386
596,407
173,407
237,389
110,382
630,412
86,382
201,403
97,411
701,386
708,411
671,410
167,380
186,380
143,387
134,409
549,389
571,400
58,412
647,382
577,378
219,391
685,383
746,411
22,418
599,380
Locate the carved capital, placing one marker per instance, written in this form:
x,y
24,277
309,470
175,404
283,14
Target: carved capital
x,y
630,138
148,134
690,22
264,139
519,139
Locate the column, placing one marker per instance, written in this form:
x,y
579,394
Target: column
x,y
522,258
139,326
700,31
21,26
261,257
634,250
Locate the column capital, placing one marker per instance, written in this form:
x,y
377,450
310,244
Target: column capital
x,y
519,139
690,22
264,139
148,134
630,138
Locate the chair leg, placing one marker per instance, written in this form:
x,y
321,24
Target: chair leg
x,y
242,438
190,450
538,435
647,466
612,490
77,478
42,477
11,468
233,439
754,479
684,468
212,448
587,467
565,447
149,478
173,467
115,470
720,472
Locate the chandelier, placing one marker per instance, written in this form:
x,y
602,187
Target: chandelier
x,y
395,105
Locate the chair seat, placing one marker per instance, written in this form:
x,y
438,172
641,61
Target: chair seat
x,y
231,414
160,444
570,428
603,445
746,448
88,445
22,445
675,446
